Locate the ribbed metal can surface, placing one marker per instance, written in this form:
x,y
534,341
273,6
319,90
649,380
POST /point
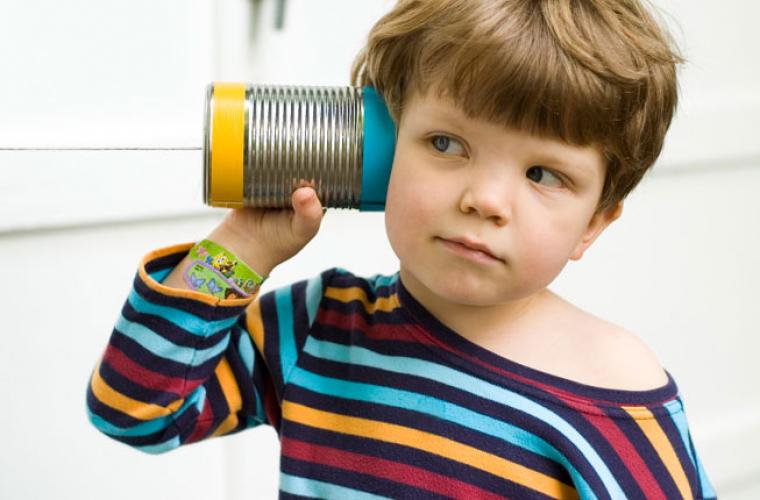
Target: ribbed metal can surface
x,y
262,141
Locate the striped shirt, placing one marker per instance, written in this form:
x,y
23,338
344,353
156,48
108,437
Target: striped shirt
x,y
372,397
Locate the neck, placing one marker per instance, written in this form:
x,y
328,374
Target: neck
x,y
484,324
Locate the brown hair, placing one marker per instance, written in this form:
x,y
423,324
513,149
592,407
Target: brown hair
x,y
589,72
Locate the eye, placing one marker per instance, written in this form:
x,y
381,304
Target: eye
x,y
535,174
442,142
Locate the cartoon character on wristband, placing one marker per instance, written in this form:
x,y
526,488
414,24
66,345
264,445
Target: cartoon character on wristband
x,y
218,272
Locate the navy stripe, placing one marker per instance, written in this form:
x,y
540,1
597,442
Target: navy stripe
x,y
149,439
270,320
169,330
201,309
215,397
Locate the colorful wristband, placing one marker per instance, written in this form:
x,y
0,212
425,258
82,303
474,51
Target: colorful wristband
x,y
217,271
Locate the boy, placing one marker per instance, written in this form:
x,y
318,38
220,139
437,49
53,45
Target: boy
x,y
522,125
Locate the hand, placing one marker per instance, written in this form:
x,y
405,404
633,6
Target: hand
x,y
266,237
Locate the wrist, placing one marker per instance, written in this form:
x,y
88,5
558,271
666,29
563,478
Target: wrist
x,y
215,270
249,252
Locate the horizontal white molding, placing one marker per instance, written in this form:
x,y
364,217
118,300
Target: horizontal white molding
x,y
48,189
102,148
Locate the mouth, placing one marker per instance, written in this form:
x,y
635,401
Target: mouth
x,y
477,252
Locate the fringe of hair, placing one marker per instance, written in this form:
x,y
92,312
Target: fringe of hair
x,y
588,72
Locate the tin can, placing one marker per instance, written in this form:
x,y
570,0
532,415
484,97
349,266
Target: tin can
x,y
261,141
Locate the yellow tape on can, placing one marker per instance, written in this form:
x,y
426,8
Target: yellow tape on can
x,y
227,135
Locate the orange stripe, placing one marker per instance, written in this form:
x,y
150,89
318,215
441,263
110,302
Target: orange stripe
x,y
231,392
229,423
651,428
254,325
132,407
432,443
384,304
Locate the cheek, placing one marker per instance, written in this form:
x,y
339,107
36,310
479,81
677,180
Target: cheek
x,y
409,208
546,248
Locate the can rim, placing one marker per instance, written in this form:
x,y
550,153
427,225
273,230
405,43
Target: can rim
x,y
208,111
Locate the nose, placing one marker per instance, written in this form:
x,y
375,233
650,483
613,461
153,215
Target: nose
x,y
485,194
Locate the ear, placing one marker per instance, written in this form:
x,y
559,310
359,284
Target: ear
x,y
595,227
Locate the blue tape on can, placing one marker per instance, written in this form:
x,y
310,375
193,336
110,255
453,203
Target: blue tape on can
x,y
379,148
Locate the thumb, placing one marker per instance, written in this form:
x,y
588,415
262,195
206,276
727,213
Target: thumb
x,y
308,213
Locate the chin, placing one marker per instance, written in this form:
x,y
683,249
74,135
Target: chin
x,y
470,290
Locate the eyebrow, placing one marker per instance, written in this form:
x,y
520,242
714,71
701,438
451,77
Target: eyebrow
x,y
579,168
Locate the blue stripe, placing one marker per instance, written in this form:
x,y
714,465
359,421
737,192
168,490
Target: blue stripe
x,y
154,449
163,348
679,418
287,347
707,489
160,275
296,485
247,356
439,409
185,320
149,427
199,395
313,297
381,280
445,375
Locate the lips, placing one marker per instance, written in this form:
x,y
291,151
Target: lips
x,y
474,245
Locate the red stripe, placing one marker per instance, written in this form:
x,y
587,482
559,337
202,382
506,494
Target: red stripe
x,y
627,452
202,424
386,469
140,375
375,331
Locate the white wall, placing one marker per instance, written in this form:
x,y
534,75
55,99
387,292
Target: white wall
x,y
96,98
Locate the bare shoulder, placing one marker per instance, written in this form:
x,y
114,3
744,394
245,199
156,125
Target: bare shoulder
x,y
612,356
624,361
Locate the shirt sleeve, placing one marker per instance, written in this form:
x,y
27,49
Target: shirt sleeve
x,y
181,366
639,451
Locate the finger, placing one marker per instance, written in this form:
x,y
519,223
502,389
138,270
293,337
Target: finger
x,y
307,216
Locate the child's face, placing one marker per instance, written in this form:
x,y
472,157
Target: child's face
x,y
494,185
